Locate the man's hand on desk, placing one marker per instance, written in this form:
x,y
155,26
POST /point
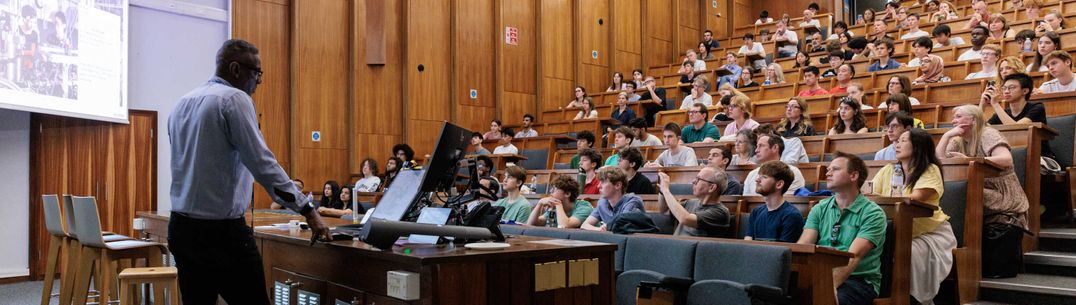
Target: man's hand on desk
x,y
318,229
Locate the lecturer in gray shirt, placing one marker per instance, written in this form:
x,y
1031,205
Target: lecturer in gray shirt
x,y
217,155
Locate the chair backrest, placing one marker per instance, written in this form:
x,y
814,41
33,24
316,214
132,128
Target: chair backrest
x,y
69,217
668,256
512,229
53,216
536,159
743,263
1019,163
547,232
606,237
87,221
953,204
1062,144
562,166
666,222
887,259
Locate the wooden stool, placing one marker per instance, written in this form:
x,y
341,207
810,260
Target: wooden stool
x,y
159,277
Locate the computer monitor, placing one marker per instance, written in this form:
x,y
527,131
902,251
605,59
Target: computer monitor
x,y
400,196
438,174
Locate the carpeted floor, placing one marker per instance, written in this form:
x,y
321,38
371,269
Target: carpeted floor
x,y
24,293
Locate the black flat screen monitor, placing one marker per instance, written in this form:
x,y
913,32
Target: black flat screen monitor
x,y
439,173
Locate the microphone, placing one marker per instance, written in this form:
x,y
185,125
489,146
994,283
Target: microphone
x,y
382,234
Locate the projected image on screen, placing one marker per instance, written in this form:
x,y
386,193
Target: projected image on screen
x,y
64,57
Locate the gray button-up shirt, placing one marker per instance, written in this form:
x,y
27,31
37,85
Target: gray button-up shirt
x,y
218,153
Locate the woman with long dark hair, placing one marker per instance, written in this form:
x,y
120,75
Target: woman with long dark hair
x,y
900,102
330,196
1049,42
850,119
917,175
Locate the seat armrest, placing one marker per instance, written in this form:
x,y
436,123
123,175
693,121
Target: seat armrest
x,y
767,294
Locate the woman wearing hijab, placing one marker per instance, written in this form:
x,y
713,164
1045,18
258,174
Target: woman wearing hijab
x,y
933,70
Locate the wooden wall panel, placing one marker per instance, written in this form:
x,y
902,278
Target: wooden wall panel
x,y
742,13
514,105
378,103
321,40
595,78
660,31
689,23
424,135
474,118
428,90
593,25
519,67
716,17
627,36
626,62
556,53
474,63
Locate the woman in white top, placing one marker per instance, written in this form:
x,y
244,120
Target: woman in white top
x,y
751,47
580,96
740,113
692,55
368,180
900,84
588,111
618,82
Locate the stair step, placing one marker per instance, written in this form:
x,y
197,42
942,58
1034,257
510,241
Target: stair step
x,y
1058,233
1035,283
1052,258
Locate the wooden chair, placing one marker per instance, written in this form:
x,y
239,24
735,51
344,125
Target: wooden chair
x,y
159,277
73,247
94,250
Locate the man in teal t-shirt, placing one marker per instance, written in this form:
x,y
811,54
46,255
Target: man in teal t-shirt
x,y
516,207
569,211
849,222
698,129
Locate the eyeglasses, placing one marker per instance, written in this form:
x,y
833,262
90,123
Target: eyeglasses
x,y
256,70
1010,88
697,179
693,111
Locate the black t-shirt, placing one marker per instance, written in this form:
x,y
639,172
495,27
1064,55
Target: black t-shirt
x,y
660,92
1034,111
640,185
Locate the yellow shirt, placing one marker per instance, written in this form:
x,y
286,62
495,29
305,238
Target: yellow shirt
x,y
931,179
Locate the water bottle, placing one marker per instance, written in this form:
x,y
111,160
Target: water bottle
x,y
534,184
1027,45
896,183
354,207
859,19
551,217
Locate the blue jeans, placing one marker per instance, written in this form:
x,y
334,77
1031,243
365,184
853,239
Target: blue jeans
x,y
855,291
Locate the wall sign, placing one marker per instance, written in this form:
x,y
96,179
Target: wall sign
x,y
511,35
315,136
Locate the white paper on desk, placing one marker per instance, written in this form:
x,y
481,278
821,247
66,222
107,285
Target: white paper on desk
x,y
567,243
430,215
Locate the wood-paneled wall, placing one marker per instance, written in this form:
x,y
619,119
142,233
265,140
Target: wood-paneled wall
x,y
370,74
116,163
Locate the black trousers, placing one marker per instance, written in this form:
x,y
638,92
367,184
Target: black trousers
x,y
216,257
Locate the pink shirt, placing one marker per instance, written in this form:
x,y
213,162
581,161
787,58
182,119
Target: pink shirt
x,y
732,129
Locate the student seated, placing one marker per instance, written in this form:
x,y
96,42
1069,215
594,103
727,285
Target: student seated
x,y
850,119
405,153
796,122
978,39
933,71
769,148
803,59
793,153
783,35
657,96
899,84
1048,43
943,37
1059,64
810,80
613,201
883,50
642,138
494,132
622,139
763,17
980,16
912,28
844,79
506,146
774,75
516,207
698,94
848,221
856,92
750,47
629,88
368,179
719,158
777,220
692,56
747,80
589,162
744,149
989,60
330,204
586,110
836,58
921,47
580,97
622,113
698,129
734,69
740,113
945,12
1051,22
898,102
583,140
1016,93
917,175
999,27
896,124
631,159
676,154
527,131
703,215
392,168
1008,66
563,200
618,82
476,144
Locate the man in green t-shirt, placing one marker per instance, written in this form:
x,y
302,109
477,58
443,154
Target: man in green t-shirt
x,y
583,140
563,199
515,205
849,222
698,129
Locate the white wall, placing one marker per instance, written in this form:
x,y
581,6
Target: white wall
x,y
171,51
171,54
14,193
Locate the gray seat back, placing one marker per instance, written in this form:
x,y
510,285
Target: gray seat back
x,y
87,221
547,232
953,203
605,237
668,256
69,217
709,292
666,223
1019,163
536,158
512,229
53,216
1062,144
743,263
